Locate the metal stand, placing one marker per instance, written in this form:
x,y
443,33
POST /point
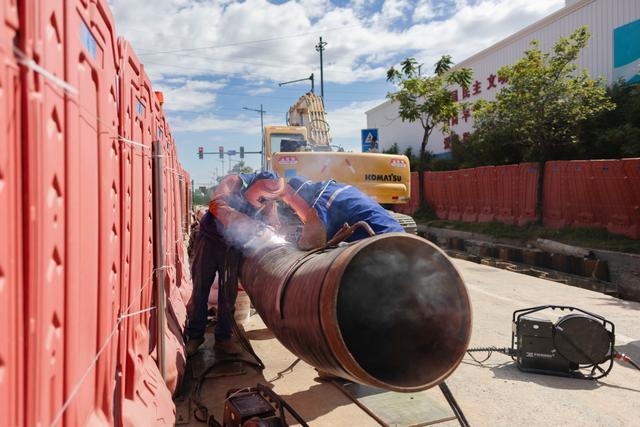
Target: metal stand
x,y
158,254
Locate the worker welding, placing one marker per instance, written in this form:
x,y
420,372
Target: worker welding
x,y
250,213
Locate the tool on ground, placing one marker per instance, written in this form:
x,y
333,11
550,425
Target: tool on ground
x,y
579,344
257,407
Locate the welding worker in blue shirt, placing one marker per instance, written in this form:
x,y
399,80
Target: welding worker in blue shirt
x,y
325,207
235,194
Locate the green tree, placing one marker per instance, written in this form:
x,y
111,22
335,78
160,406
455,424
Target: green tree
x,y
427,99
546,100
614,133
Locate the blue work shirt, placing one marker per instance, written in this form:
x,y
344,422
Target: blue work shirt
x,y
337,204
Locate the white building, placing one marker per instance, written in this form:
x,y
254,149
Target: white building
x,y
613,53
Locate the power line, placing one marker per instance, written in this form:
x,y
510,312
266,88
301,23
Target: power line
x,y
218,46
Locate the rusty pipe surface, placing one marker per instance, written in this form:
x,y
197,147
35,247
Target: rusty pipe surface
x,y
390,311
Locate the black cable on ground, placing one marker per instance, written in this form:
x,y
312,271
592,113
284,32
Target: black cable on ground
x,y
489,350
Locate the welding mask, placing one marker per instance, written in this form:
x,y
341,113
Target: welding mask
x,y
263,190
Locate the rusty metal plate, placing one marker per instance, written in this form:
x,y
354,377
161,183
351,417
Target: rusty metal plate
x,y
399,409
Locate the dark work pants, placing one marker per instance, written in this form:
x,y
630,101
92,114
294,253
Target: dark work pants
x,y
208,261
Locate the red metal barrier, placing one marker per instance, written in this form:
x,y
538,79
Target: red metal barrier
x,y
527,192
11,284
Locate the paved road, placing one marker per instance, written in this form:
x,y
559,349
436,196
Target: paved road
x,y
498,394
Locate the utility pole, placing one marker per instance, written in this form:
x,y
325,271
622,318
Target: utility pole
x,y
261,111
320,48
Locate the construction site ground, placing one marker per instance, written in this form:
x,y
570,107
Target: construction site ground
x,y
495,393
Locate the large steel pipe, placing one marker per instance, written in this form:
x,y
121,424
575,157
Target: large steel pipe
x,y
390,311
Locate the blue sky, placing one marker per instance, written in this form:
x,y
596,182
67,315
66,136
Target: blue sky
x,y
212,57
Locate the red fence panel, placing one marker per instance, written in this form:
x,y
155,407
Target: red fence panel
x,y
92,185
453,195
11,285
527,192
582,205
486,177
414,200
632,172
141,394
615,197
554,203
45,180
507,184
470,199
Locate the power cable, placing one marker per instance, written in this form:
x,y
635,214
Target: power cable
x,y
242,43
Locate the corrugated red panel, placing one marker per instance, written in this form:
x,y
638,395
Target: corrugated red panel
x,y
632,171
582,206
11,285
72,176
615,197
453,195
486,177
434,193
92,185
414,201
45,227
144,397
507,184
527,192
554,204
470,198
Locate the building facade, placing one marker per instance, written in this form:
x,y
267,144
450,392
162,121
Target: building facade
x,y
613,53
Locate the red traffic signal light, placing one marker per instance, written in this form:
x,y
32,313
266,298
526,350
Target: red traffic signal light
x,y
221,151
200,152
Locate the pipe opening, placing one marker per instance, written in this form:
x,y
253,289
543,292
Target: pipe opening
x,y
403,312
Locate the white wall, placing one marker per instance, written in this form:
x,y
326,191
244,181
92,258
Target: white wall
x,y
602,17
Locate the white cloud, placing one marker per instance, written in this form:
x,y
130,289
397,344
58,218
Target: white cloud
x,y
209,122
347,121
260,91
360,46
182,94
424,11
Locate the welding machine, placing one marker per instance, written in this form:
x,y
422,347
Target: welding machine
x,y
577,344
257,407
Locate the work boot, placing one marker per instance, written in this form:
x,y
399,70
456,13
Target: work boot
x,y
228,347
193,345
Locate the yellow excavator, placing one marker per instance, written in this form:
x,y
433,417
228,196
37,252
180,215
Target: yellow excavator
x,y
304,147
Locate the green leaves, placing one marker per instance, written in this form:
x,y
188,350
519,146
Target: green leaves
x,y
545,101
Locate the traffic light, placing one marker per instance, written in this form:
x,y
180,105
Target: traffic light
x,y
221,151
201,153
241,152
